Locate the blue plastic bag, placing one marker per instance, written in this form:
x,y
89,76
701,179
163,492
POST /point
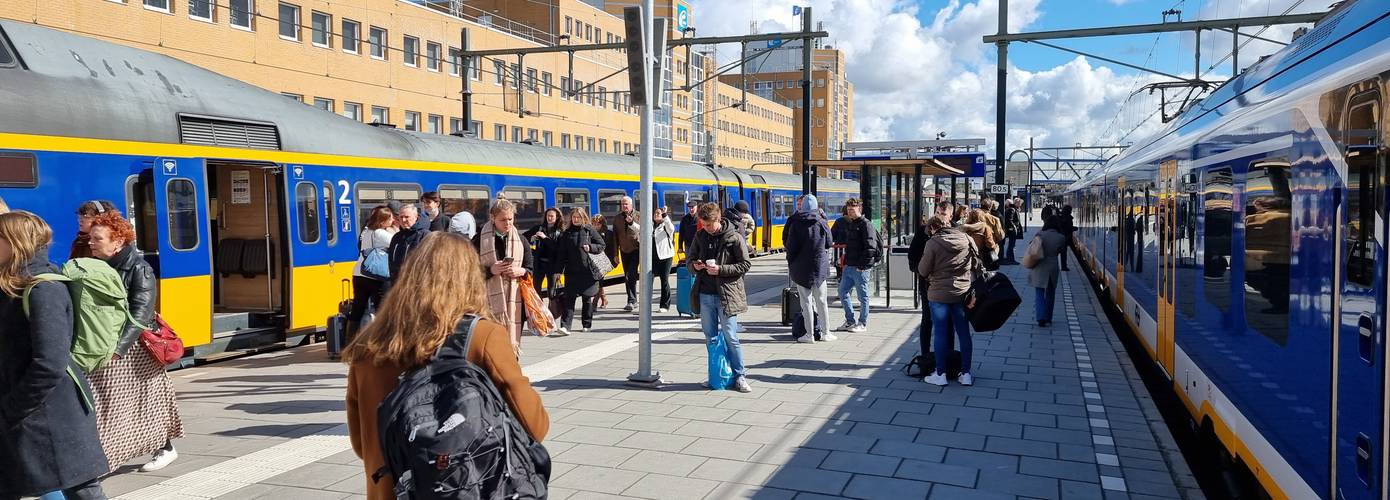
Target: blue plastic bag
x,y
721,376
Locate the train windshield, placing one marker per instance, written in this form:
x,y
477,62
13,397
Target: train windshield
x,y
5,58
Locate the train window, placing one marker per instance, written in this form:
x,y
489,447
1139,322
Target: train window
x,y
472,199
530,205
610,201
777,207
306,202
1268,213
1363,190
183,214
373,194
6,60
1216,240
675,201
697,196
567,199
330,213
1186,245
18,170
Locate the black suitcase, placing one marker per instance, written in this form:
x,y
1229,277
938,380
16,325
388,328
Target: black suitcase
x,y
995,301
336,336
799,326
791,305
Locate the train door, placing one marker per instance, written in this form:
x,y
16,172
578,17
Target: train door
x,y
184,246
1167,239
767,218
1360,358
755,205
1125,219
248,261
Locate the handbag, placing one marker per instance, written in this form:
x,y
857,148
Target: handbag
x,y
163,344
376,264
537,315
599,264
1034,254
994,296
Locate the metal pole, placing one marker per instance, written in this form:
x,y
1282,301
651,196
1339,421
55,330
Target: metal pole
x,y
645,374
466,72
808,174
1001,92
1197,57
1235,52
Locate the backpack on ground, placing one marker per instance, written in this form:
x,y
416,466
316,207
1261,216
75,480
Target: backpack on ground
x,y
99,307
921,366
447,433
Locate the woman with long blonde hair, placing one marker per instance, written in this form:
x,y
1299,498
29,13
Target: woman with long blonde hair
x,y
410,327
50,424
505,260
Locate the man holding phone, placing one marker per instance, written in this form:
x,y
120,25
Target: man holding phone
x,y
719,257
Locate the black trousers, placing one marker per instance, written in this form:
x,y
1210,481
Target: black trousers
x,y
661,269
630,275
364,291
587,319
1009,248
1062,255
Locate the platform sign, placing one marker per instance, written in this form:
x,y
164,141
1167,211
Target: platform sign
x,y
772,44
682,17
998,189
796,10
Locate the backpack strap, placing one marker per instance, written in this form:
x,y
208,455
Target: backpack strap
x,y
40,278
461,339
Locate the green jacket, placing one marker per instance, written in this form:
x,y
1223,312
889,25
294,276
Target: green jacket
x,y
729,250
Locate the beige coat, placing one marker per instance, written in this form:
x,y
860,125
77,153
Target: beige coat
x,y
947,263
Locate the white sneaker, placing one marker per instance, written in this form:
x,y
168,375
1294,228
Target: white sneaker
x,y
741,385
585,329
937,379
664,310
807,339
628,308
966,379
828,337
560,332
845,327
858,329
162,459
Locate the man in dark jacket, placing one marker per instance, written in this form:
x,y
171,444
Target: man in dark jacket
x,y
860,243
807,242
416,228
432,210
1013,229
1068,226
719,258
627,227
689,224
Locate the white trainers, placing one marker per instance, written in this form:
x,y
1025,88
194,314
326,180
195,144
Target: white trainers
x,y
858,329
741,385
965,379
937,379
560,332
585,329
806,339
828,337
845,327
664,310
162,459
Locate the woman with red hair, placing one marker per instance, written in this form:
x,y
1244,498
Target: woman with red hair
x,y
137,413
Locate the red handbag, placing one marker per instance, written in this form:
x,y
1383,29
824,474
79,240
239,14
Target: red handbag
x,y
163,344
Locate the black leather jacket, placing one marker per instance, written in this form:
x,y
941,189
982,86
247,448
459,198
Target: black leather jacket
x,y
142,291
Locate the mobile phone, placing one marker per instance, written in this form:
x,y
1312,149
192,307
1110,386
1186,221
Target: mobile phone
x,y
507,260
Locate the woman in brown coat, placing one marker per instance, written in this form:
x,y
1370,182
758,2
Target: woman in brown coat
x,y
410,327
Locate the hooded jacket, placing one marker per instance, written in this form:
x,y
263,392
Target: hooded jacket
x,y
731,254
405,241
807,242
947,263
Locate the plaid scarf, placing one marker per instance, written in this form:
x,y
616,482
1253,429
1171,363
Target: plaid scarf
x,y
502,296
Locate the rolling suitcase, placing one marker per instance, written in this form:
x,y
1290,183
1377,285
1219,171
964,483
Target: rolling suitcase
x,y
684,283
791,305
995,301
336,336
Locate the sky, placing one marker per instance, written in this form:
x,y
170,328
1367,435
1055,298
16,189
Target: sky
x,y
919,66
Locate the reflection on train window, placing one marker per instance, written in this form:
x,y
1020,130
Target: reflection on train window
x,y
788,205
373,194
567,199
183,214
306,201
18,170
1268,212
675,201
610,201
330,213
530,205
1363,191
1216,240
472,199
1186,245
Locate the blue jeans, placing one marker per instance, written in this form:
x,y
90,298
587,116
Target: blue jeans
x,y
943,317
858,280
715,323
1043,300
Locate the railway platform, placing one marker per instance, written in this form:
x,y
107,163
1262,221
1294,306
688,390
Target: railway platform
x,y
1055,413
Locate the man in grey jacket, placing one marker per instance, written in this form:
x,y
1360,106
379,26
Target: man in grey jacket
x,y
719,258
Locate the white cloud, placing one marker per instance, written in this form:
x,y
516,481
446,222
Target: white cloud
x,y
915,79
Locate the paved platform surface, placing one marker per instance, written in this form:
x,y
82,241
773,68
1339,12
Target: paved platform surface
x,y
1055,413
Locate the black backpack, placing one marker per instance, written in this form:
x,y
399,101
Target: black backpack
x,y
447,433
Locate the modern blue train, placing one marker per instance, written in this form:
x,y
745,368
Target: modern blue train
x,y
249,205
1246,245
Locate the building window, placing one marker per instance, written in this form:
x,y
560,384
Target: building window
x,y
531,135
201,10
515,74
545,82
376,37
352,110
598,35
516,134
455,60
289,22
436,124
352,35
296,97
381,115
241,13
455,125
324,104
565,88
565,141
476,68
499,132
412,120
603,145
411,51
159,5
476,128
589,32
547,138
590,144
602,95
569,25
432,53
820,103
531,79
322,26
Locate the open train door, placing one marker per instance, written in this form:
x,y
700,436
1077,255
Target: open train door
x,y
184,247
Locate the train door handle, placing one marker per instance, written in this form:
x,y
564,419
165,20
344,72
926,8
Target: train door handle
x,y
1366,341
1363,459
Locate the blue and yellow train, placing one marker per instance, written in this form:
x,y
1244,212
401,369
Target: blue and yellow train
x,y
1246,244
249,205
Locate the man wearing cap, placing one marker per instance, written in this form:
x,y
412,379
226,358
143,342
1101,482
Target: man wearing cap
x,y
689,224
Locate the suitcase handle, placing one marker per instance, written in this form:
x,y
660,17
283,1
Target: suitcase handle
x,y
345,291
